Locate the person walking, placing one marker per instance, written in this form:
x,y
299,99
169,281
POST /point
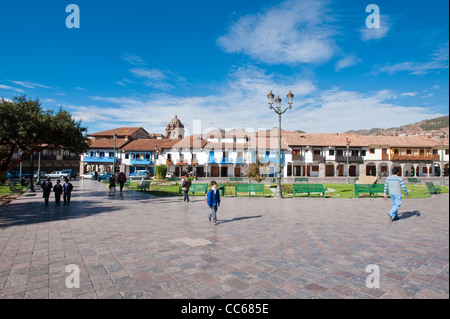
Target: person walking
x,y
213,201
46,189
395,184
58,190
121,178
112,183
185,185
67,191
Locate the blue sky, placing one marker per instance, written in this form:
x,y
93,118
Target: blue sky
x,y
138,63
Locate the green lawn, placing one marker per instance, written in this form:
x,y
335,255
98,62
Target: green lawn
x,y
332,190
4,190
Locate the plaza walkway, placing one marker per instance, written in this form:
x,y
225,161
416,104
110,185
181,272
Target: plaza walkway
x,y
133,245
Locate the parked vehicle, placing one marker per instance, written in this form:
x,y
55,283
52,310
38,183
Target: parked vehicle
x,y
169,175
9,175
42,174
70,172
139,174
88,175
57,174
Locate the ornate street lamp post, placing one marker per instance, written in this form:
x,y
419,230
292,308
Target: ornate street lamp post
x,y
348,151
277,109
114,155
442,160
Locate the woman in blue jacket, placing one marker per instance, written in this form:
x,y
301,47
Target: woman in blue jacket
x,y
213,200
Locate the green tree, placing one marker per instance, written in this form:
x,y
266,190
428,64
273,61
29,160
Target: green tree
x,y
26,126
254,171
160,171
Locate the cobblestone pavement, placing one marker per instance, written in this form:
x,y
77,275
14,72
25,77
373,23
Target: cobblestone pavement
x,y
133,245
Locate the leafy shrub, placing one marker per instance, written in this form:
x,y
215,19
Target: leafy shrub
x,y
160,171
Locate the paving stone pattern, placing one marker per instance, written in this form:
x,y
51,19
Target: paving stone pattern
x,y
133,245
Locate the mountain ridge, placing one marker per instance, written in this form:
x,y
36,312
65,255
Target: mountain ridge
x,y
433,128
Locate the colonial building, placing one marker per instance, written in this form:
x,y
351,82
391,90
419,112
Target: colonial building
x,y
326,155
220,153
106,147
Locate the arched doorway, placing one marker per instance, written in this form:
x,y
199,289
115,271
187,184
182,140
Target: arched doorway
x,y
371,169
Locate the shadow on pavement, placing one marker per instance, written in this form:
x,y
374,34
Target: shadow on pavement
x,y
32,213
237,219
409,214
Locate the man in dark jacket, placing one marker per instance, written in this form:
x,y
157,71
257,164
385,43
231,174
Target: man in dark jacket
x,y
58,189
121,178
67,191
46,189
185,188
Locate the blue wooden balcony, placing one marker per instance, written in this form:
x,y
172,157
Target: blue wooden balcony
x,y
226,160
99,159
140,161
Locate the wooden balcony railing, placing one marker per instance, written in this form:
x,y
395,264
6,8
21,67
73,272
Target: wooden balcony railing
x,y
411,157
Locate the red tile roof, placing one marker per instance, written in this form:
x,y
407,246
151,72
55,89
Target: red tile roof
x,y
108,143
120,132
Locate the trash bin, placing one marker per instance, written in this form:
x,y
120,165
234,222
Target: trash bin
x,y
221,190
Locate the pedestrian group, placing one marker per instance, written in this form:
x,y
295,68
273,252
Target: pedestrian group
x,y
64,189
394,184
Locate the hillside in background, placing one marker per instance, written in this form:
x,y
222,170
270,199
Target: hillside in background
x,y
433,128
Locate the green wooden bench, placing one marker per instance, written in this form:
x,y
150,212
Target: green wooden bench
x,y
127,183
432,189
301,179
196,188
15,188
413,181
355,180
249,188
309,188
236,179
370,189
174,179
145,185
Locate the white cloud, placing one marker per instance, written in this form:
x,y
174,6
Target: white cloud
x,y
241,102
346,61
376,33
438,61
152,77
31,85
409,93
133,59
341,111
292,32
89,114
10,88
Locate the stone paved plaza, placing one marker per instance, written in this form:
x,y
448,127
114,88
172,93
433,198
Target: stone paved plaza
x,y
133,245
